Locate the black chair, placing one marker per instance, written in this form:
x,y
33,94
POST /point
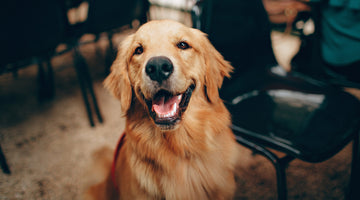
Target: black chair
x,y
28,37
300,116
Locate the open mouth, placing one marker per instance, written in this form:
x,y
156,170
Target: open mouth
x,y
166,109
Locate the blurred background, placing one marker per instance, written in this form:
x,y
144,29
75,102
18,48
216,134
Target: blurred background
x,y
55,114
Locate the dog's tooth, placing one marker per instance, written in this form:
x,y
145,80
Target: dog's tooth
x,y
173,107
173,110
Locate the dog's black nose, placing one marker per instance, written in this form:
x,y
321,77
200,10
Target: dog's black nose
x,y
159,68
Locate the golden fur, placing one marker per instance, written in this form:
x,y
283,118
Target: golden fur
x,y
193,159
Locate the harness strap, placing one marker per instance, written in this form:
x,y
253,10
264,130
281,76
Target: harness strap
x,y
116,154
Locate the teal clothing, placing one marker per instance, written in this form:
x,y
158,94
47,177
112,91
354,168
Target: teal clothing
x,y
340,31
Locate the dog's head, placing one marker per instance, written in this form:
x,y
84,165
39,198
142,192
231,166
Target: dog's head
x,y
162,66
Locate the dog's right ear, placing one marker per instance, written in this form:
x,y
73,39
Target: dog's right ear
x,y
216,68
118,82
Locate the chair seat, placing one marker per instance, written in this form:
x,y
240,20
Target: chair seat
x,y
307,120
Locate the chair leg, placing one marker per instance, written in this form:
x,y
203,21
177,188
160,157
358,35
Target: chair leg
x,y
45,80
86,84
79,65
280,164
4,166
41,80
110,53
50,80
354,193
92,93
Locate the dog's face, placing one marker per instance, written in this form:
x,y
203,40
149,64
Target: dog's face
x,y
162,66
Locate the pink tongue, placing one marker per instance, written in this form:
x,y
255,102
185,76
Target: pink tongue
x,y
162,107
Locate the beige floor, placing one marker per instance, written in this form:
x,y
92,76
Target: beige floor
x,y
50,146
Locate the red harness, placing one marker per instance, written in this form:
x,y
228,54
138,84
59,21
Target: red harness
x,y
116,154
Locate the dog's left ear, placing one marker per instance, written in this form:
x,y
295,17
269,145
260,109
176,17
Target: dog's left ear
x,y
216,69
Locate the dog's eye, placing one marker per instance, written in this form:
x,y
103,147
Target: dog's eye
x,y
183,45
139,50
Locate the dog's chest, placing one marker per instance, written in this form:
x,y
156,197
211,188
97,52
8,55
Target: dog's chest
x,y
182,179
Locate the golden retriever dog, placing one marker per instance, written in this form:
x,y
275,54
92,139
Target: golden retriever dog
x,y
178,143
